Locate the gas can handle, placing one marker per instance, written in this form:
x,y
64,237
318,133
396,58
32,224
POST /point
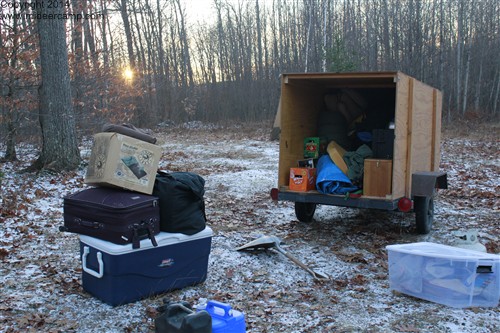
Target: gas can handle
x,y
98,274
212,305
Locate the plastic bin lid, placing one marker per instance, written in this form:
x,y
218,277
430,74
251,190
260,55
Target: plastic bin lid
x,y
440,251
163,239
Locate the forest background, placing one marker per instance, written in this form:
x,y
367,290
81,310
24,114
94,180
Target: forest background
x,y
167,61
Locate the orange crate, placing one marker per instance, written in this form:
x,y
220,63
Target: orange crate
x,y
302,179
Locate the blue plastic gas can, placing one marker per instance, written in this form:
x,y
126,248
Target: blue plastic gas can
x,y
224,318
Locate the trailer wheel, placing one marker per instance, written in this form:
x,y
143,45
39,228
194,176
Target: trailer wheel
x,y
305,211
424,213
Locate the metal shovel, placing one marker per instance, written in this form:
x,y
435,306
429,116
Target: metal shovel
x,y
266,242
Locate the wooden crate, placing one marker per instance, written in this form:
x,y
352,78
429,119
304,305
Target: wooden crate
x,y
377,178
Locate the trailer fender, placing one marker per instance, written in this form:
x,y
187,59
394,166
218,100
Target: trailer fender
x,y
424,183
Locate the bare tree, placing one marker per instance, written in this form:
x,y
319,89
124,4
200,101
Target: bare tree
x,y
128,32
57,121
229,68
18,52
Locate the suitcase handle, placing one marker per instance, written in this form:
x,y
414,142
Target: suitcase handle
x,y
98,274
88,224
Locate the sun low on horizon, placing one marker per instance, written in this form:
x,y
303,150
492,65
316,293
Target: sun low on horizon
x,y
128,74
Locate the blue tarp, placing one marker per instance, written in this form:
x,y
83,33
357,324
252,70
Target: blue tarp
x,y
330,179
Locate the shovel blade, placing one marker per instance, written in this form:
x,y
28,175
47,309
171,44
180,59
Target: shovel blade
x,y
264,242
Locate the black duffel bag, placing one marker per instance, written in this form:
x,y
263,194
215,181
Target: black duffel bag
x,y
182,207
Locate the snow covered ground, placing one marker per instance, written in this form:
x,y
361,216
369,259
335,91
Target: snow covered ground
x,y
40,270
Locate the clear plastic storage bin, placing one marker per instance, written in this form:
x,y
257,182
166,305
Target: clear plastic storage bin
x,y
445,274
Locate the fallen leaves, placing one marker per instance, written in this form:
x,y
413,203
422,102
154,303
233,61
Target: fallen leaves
x,y
407,329
3,253
352,257
41,269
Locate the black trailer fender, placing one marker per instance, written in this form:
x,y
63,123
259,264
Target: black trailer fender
x,y
423,187
424,183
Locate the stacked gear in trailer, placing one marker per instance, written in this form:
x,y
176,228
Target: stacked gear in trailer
x,y
382,135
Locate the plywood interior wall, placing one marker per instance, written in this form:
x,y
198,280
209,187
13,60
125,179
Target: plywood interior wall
x,y
300,105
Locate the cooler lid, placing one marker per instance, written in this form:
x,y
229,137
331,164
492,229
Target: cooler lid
x,y
163,239
435,250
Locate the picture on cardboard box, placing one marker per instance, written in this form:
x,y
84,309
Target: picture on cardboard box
x,y
134,166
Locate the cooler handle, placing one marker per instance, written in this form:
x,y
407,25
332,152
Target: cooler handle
x,y
212,305
98,274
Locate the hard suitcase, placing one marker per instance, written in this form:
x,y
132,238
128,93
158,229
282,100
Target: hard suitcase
x,y
114,215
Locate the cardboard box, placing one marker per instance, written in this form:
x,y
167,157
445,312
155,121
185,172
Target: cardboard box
x,y
377,177
117,274
337,153
121,161
314,147
445,274
302,179
309,163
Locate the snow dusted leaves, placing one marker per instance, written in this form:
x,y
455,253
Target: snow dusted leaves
x,y
40,268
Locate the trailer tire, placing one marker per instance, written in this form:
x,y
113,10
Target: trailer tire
x,y
305,211
424,213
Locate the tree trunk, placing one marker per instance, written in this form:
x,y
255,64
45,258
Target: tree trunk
x,y
128,32
78,68
89,39
57,121
105,53
458,78
308,35
12,114
497,94
323,51
259,28
466,83
185,45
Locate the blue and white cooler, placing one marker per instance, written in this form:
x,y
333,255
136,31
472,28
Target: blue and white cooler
x,y
117,274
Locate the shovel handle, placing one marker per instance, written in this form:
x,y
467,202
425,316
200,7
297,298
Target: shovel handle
x,y
296,261
301,264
